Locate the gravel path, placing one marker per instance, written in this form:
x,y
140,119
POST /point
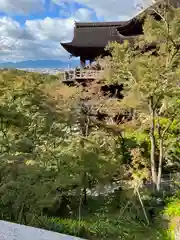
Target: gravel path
x,y
12,231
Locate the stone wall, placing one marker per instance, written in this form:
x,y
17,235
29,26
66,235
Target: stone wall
x,y
13,231
177,228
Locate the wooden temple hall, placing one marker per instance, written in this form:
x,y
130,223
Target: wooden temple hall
x,y
90,40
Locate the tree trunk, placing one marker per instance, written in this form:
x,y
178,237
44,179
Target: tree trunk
x,y
153,144
84,127
85,196
153,165
161,155
85,189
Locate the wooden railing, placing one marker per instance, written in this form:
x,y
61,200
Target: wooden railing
x,y
78,74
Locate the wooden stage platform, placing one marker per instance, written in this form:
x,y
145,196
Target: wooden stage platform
x,y
82,74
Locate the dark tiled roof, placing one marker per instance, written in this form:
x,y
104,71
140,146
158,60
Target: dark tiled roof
x,y
91,38
85,52
95,36
101,24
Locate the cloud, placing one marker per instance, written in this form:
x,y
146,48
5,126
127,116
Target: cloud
x,y
38,39
12,29
21,6
83,15
54,29
112,10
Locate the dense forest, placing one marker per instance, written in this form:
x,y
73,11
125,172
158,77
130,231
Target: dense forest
x,y
99,160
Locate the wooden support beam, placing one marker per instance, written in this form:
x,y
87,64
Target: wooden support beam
x,y
82,62
91,61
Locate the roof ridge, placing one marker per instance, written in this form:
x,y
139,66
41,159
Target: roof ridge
x,y
101,24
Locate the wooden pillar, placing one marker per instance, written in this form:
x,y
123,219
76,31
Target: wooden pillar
x,y
91,61
82,62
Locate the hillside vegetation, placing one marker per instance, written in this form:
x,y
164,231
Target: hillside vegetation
x,y
65,169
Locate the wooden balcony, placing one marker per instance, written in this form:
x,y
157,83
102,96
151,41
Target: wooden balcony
x,y
82,74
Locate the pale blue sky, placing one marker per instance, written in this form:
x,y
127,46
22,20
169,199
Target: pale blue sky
x,y
33,29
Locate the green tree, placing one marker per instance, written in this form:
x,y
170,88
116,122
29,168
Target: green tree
x,y
151,82
46,132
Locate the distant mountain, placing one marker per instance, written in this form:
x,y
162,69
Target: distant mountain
x,y
40,64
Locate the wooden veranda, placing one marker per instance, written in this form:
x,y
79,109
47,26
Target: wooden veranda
x,y
82,74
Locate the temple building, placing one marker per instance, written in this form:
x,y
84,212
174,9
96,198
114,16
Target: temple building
x,y
90,39
89,42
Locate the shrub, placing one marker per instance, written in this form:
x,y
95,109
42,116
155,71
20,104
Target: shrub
x,y
99,227
173,208
172,212
66,226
